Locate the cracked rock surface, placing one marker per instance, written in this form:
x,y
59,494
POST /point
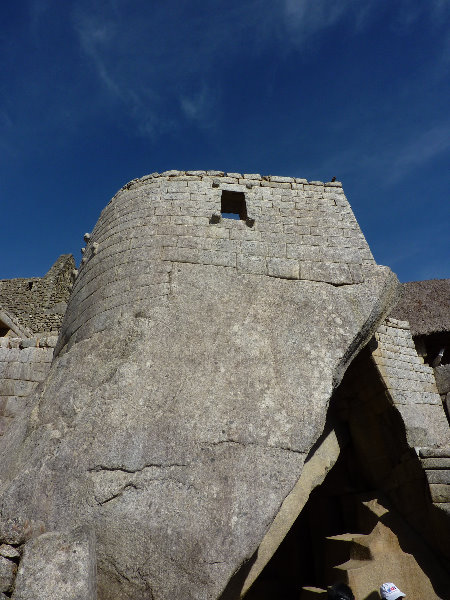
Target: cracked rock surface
x,y
177,434
190,383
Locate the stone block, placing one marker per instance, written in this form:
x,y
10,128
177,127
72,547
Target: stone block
x,y
18,530
312,240
335,273
252,264
220,259
58,566
397,323
425,424
244,233
442,375
440,492
438,453
347,255
357,273
9,551
29,343
254,248
283,268
224,245
277,179
14,387
232,187
301,252
13,406
274,184
8,570
180,254
439,476
172,173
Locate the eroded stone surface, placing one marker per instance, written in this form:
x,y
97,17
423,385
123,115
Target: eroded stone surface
x,y
188,391
7,573
60,566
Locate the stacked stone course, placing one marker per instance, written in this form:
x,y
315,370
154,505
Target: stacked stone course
x,y
23,364
295,230
412,388
203,380
38,303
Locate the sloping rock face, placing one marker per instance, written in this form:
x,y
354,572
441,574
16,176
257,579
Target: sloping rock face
x,y
193,374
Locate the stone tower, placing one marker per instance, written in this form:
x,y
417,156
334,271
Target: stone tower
x,y
210,320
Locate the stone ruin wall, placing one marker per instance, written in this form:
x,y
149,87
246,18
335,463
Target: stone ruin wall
x,y
38,304
295,230
23,364
411,388
411,385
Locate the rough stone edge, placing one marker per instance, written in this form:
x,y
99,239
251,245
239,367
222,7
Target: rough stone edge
x,y
77,534
254,178
313,474
19,330
46,341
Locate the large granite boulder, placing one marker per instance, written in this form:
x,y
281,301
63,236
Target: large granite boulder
x,y
187,392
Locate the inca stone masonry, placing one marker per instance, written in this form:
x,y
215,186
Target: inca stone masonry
x,y
224,399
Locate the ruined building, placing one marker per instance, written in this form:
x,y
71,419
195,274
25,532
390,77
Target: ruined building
x,y
234,405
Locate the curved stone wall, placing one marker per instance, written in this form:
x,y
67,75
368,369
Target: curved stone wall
x,y
196,362
295,229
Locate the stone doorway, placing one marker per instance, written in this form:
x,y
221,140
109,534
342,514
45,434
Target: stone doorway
x,y
363,525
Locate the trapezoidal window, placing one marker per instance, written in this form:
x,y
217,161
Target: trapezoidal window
x,y
4,329
233,205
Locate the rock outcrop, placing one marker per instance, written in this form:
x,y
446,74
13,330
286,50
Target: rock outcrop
x,y
192,375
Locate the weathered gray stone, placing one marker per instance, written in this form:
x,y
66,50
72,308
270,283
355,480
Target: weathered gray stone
x,y
439,476
440,492
177,416
434,452
436,463
442,374
8,570
60,566
17,530
283,267
9,551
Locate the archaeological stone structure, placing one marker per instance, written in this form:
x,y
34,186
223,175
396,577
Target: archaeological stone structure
x,y
224,400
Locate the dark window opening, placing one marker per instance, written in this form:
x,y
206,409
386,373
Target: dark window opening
x,y
4,329
233,205
30,285
434,348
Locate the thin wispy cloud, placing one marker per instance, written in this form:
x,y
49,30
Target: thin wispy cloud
x,y
428,145
149,63
199,106
37,10
391,162
305,18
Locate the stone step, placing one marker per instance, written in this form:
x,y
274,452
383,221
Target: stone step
x,y
434,452
312,593
340,548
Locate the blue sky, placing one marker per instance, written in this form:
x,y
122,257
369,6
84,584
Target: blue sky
x,y
94,94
